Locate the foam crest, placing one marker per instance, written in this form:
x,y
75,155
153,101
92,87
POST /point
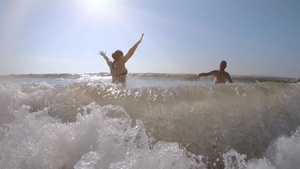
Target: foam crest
x,y
103,137
90,123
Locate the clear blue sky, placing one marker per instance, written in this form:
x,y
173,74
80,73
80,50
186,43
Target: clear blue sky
x,y
191,36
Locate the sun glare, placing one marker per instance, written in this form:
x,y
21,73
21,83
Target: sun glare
x,y
105,9
95,3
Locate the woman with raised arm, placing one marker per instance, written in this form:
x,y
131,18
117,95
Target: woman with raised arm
x,y
117,67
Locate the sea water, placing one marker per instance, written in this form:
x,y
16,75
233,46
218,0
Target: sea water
x,y
156,121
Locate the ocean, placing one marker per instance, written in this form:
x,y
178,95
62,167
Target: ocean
x,y
156,121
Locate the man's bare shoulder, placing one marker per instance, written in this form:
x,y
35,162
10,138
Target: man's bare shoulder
x,y
214,72
226,74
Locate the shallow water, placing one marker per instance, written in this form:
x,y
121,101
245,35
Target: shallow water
x,y
156,121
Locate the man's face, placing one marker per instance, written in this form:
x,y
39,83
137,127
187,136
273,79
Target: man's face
x,y
223,65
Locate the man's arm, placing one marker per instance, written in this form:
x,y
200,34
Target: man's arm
x,y
229,79
212,73
132,50
298,80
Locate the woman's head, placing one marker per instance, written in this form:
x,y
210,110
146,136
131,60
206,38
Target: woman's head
x,y
117,55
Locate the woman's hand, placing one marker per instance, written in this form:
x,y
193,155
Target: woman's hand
x,y
141,38
102,53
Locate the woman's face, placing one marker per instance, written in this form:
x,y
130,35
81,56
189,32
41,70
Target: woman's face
x,y
117,55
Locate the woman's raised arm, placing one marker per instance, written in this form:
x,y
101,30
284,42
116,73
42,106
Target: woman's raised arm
x,y
104,56
132,49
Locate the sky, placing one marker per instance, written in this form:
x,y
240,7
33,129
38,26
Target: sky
x,y
257,37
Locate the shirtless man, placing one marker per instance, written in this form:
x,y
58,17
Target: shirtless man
x,y
117,67
220,75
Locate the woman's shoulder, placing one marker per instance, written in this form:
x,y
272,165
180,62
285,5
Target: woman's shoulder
x,y
110,63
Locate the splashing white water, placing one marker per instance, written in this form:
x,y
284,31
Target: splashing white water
x,y
101,138
49,125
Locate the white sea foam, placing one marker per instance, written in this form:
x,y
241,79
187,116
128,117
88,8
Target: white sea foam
x,y
102,138
90,123
106,138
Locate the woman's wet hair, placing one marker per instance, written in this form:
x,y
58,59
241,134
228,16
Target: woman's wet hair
x,y
117,54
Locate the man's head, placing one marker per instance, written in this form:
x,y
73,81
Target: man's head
x,y
117,55
223,65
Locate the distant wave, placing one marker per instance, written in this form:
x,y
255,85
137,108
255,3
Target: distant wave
x,y
189,77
